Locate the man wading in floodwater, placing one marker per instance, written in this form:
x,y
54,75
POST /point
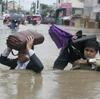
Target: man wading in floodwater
x,y
80,60
26,58
75,49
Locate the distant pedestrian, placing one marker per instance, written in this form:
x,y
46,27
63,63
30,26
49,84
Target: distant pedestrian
x,y
14,25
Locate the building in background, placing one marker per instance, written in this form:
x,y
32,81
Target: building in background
x,y
92,12
77,6
88,9
66,9
12,5
96,11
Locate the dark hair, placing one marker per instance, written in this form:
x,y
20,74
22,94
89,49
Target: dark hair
x,y
92,44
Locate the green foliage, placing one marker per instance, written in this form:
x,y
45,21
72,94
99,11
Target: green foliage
x,y
45,9
33,7
0,1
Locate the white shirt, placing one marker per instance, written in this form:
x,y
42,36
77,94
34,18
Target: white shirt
x,y
19,64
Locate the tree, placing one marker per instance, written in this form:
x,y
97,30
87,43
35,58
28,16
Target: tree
x,y
0,1
33,6
45,10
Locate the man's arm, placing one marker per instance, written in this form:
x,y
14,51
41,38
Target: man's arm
x,y
78,63
5,60
34,64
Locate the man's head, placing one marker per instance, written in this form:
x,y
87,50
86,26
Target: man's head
x,y
23,56
91,49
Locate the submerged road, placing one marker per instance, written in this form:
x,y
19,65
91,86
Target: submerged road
x,y
50,84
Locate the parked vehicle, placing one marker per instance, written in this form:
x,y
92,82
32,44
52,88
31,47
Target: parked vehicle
x,y
48,20
34,19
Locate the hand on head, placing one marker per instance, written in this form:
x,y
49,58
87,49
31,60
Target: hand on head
x,y
22,55
29,43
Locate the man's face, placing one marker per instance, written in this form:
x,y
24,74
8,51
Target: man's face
x,y
89,52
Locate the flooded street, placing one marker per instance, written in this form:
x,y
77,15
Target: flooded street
x,y
50,84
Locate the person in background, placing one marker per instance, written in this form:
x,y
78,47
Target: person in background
x,y
26,58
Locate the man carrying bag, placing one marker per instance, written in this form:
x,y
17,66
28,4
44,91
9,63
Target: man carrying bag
x,y
26,58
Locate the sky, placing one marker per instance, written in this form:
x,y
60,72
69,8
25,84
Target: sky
x,y
27,3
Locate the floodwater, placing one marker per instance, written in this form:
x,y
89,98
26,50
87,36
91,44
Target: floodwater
x,y
50,84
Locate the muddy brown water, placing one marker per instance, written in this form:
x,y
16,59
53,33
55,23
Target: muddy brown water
x,y
50,84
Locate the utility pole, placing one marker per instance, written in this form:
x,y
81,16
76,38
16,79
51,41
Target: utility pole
x,y
6,5
13,4
0,1
19,7
1,7
19,3
38,7
59,1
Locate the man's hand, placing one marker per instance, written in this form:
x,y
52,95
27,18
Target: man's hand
x,y
97,63
92,60
29,44
81,61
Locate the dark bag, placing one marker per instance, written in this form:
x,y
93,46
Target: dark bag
x,y
18,41
80,43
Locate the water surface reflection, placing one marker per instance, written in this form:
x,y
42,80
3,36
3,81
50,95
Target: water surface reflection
x,y
49,85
